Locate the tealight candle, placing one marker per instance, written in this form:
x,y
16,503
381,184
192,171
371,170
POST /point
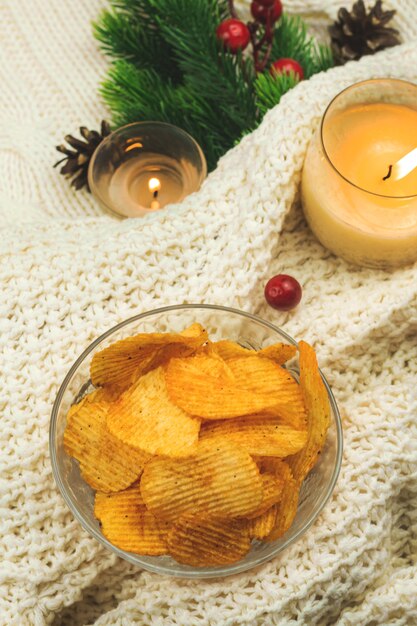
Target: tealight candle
x,y
354,207
140,168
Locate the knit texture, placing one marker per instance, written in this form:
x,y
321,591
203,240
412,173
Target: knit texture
x,y
68,272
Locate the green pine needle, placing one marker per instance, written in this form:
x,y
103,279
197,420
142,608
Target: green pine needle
x,y
291,40
269,89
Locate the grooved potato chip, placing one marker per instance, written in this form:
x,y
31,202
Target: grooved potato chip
x,y
128,525
219,480
230,350
145,418
278,352
272,486
212,365
257,434
208,542
121,363
286,508
318,412
261,526
106,463
272,465
260,375
210,396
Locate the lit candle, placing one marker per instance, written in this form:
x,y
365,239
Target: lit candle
x,y
354,208
154,187
141,168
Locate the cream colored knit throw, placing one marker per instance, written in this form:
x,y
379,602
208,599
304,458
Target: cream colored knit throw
x,y
68,273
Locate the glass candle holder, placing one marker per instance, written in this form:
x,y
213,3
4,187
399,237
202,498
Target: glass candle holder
x,y
351,206
142,167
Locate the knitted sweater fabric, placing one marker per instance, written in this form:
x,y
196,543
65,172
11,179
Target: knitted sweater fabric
x,y
68,272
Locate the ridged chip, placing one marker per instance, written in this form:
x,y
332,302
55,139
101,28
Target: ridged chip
x,y
257,434
272,465
213,365
126,522
230,350
106,463
261,526
144,417
208,542
286,508
124,361
218,480
278,352
211,396
263,376
272,486
318,413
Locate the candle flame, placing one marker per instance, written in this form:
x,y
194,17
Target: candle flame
x,y
403,166
154,184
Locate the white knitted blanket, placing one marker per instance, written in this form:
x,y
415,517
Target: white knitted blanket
x,y
68,273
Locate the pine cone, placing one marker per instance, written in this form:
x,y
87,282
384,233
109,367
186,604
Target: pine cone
x,y
78,159
357,32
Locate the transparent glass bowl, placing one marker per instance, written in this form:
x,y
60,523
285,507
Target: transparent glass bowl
x,y
221,323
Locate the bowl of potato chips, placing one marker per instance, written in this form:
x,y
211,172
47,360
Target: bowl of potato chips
x,y
196,440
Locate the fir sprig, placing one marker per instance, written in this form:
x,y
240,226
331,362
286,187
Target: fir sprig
x,y
269,89
168,65
290,35
291,39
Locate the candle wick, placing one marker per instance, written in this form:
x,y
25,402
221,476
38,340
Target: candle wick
x,y
389,173
155,194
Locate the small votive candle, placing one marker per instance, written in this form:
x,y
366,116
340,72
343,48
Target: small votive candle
x,y
142,167
349,206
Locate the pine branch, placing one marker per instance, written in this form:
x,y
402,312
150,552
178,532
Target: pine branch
x,y
125,35
136,95
190,26
269,89
171,67
292,40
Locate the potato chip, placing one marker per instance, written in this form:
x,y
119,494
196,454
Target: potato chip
x,y
219,479
272,486
145,418
230,350
127,523
286,508
212,365
278,352
257,434
123,361
106,463
261,526
263,376
318,413
210,396
208,542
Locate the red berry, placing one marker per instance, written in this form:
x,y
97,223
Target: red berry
x,y
286,66
283,292
234,34
260,10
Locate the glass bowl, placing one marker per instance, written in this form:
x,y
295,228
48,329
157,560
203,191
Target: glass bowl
x,y
221,323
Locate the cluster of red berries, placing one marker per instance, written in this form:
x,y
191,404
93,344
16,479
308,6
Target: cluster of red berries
x,y
236,35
